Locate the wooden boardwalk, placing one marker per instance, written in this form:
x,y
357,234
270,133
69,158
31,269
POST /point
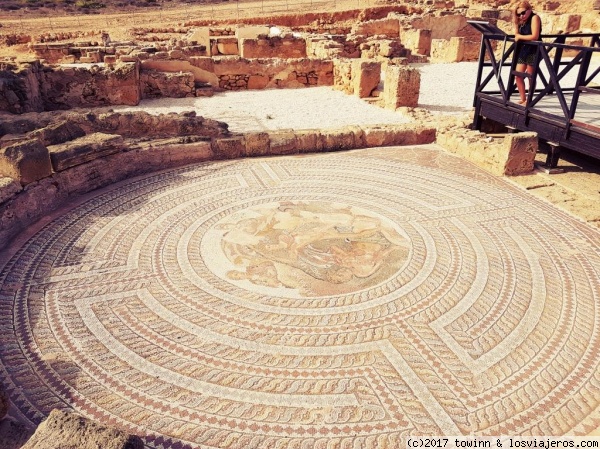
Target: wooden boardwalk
x,y
563,106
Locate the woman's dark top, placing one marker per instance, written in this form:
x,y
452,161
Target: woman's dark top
x,y
528,53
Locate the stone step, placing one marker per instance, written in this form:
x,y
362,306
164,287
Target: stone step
x,y
84,149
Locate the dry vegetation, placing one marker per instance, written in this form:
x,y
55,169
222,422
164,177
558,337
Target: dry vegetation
x,y
84,6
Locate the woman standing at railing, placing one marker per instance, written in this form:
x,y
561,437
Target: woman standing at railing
x,y
527,27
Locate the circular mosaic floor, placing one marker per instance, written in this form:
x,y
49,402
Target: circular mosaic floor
x,y
337,300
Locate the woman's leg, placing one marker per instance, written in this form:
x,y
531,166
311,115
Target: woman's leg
x,y
521,81
530,70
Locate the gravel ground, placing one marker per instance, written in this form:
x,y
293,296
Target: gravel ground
x,y
445,89
322,107
261,110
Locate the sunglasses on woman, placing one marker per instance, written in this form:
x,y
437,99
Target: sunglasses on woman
x,y
522,13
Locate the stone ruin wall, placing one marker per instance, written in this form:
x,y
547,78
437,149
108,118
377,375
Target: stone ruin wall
x,y
42,164
238,61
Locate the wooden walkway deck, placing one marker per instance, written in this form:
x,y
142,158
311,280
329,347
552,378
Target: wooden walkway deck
x,y
564,105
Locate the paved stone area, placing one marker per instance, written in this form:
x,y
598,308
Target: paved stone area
x,y
332,300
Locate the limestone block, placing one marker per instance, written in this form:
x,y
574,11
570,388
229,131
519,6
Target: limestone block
x,y
167,84
256,144
175,54
342,75
366,77
228,147
417,40
382,27
199,36
347,138
127,58
64,430
200,67
390,135
520,150
273,47
251,31
58,133
26,162
452,50
309,141
565,23
258,81
110,59
283,142
401,87
203,63
84,149
8,188
94,56
227,46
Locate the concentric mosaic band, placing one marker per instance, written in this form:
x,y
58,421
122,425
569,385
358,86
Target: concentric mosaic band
x,y
337,300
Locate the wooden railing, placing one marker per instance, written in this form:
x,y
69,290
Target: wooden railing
x,y
556,58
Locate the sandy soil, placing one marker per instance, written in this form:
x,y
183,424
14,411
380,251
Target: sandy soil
x,y
318,107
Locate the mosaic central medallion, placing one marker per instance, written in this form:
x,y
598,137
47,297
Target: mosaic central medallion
x,y
306,249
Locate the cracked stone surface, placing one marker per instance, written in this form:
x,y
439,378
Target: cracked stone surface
x,y
331,300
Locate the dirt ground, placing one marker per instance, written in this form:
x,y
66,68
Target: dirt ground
x,y
576,189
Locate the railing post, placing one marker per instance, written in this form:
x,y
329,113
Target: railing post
x,y
536,68
480,68
510,84
581,77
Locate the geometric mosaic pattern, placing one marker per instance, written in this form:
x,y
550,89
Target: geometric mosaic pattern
x,y
332,300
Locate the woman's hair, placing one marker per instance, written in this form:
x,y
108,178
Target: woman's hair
x,y
523,4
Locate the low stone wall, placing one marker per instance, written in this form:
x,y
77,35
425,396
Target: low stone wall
x,y
453,25
157,84
273,47
34,87
389,27
113,160
236,73
37,88
510,155
68,87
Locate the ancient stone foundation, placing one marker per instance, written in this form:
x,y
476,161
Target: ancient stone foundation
x,y
36,88
99,158
452,50
511,155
